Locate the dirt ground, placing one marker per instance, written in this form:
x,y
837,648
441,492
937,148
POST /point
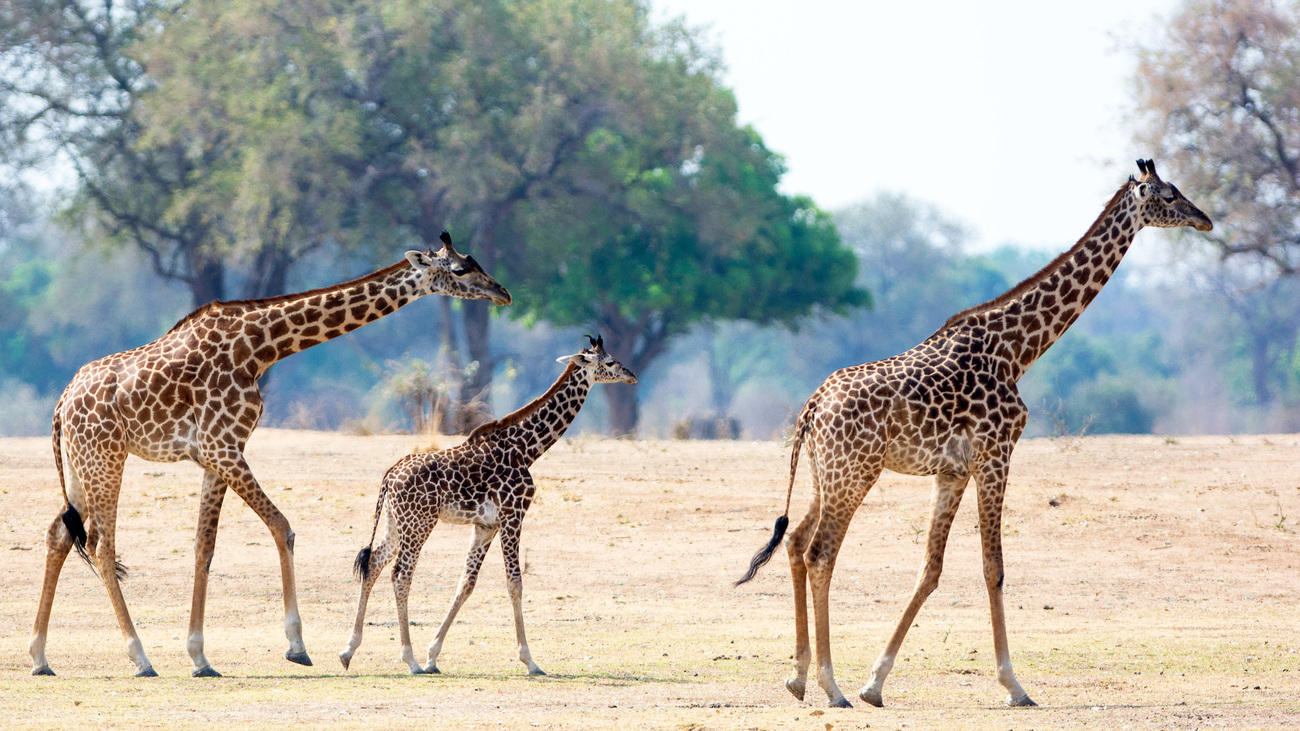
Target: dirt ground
x,y
1151,583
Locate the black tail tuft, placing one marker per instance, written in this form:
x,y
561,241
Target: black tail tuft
x,y
765,554
77,529
361,567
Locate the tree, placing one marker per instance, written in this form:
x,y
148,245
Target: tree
x,y
71,90
683,223
1220,94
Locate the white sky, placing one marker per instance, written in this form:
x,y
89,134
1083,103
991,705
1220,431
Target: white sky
x,y
1010,116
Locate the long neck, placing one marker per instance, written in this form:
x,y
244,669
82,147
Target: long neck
x,y
1029,318
534,428
268,330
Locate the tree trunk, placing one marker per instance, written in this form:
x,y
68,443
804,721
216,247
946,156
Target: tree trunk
x,y
635,345
476,390
624,411
208,284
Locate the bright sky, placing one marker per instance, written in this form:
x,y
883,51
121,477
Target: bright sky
x,y
1009,115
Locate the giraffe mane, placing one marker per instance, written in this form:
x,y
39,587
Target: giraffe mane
x,y
525,411
278,299
1034,279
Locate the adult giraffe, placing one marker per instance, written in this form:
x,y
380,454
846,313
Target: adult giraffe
x,y
192,394
949,408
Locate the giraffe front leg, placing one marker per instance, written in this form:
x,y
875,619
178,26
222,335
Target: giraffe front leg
x,y
58,543
948,490
478,547
515,586
205,544
992,490
234,471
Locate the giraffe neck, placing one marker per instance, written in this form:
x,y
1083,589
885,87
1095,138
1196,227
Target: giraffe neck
x,y
1029,318
262,332
536,427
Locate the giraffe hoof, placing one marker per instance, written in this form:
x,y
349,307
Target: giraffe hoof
x,y
536,671
432,670
42,670
871,697
205,672
298,657
841,703
147,673
346,659
795,686
1023,701
417,670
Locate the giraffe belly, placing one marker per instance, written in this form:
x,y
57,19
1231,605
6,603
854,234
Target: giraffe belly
x,y
169,442
483,514
916,454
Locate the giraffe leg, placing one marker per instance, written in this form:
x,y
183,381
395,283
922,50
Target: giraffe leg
x,y
379,558
992,482
477,549
795,546
205,544
104,553
948,490
819,557
58,542
408,552
515,586
234,472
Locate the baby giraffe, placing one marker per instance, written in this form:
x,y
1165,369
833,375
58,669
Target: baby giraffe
x,y
484,482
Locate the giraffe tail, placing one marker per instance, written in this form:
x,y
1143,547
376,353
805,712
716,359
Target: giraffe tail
x,y
72,521
361,566
70,517
782,523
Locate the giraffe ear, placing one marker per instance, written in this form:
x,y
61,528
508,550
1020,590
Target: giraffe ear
x,y
578,358
419,259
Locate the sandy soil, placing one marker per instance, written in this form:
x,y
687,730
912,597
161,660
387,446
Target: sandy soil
x,y
1151,583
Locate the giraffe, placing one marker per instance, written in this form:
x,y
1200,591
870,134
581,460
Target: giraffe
x,y
483,482
193,394
948,408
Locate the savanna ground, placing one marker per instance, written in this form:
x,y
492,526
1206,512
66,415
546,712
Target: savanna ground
x,y
1151,583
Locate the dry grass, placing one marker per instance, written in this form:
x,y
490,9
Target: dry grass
x,y
1170,568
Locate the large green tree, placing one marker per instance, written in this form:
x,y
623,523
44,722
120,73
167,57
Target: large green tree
x,y
677,219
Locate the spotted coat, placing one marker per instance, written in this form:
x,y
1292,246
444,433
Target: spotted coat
x,y
483,482
948,407
192,394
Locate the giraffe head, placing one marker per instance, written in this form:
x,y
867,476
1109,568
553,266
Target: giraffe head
x,y
1162,205
601,365
449,272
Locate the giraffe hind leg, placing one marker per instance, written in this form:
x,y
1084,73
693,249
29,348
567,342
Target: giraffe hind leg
x,y
368,565
59,541
946,498
76,528
796,544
